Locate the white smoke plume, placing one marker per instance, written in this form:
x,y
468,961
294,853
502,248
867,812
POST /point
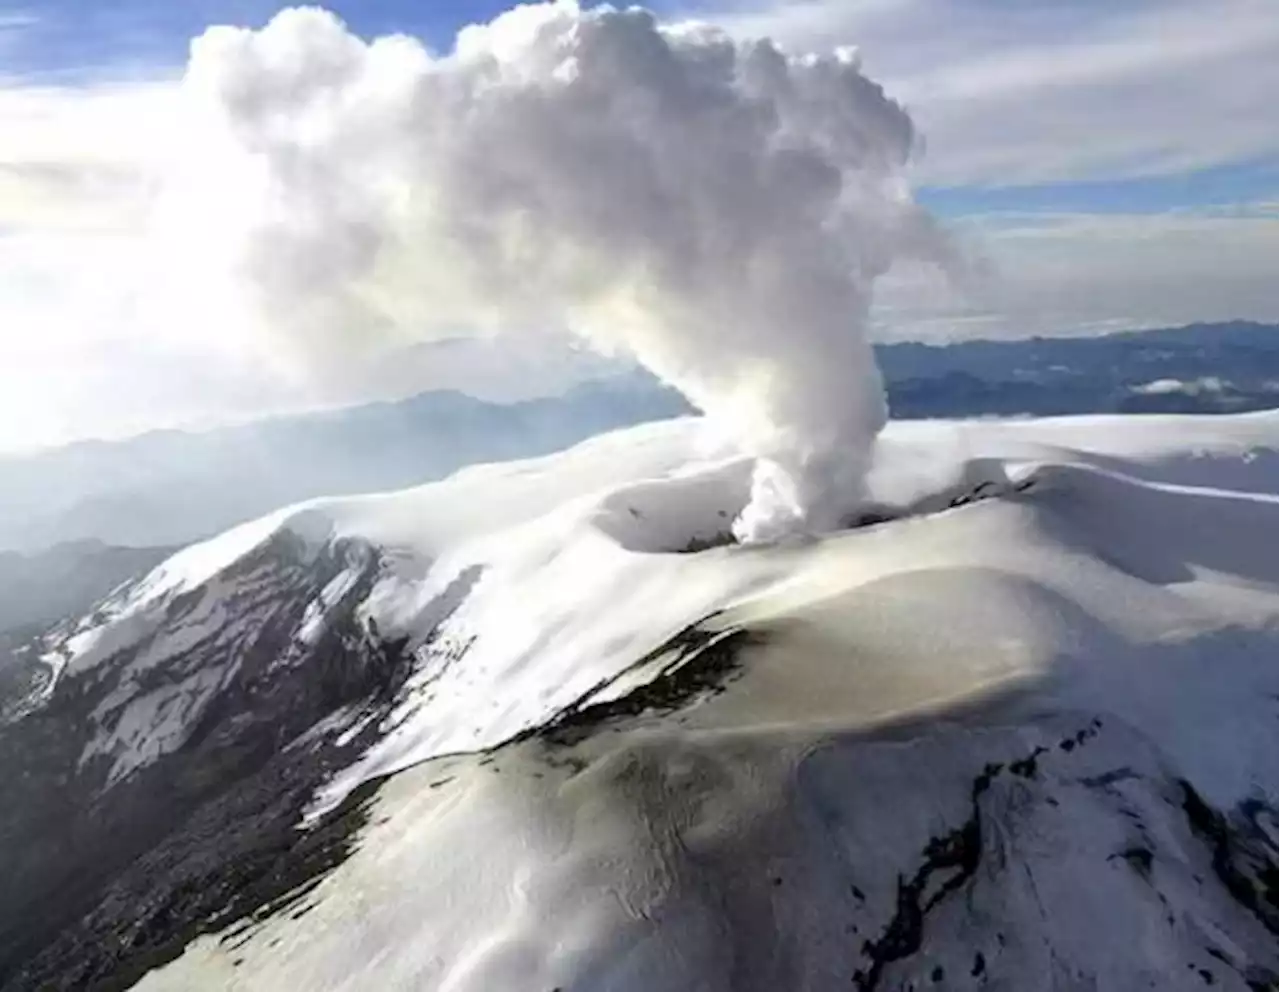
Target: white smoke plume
x,y
717,209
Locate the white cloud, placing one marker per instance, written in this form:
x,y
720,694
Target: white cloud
x,y
713,208
1090,273
84,347
1024,93
1034,92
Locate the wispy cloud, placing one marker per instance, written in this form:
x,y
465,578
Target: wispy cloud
x,y
1034,92
14,24
16,20
1107,160
1062,273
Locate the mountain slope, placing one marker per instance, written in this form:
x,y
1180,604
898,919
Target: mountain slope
x,y
38,590
1018,724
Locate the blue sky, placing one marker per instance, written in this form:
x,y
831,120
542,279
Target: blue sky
x,y
1112,163
85,39
80,40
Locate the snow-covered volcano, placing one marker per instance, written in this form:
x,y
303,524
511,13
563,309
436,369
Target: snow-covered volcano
x,y
1014,727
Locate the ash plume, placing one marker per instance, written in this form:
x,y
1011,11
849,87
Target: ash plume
x,y
717,209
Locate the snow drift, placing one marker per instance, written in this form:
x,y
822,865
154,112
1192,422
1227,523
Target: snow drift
x,y
717,209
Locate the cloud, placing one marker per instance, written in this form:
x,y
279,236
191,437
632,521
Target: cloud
x,y
1064,273
13,25
82,158
1041,93
1022,93
1035,92
715,209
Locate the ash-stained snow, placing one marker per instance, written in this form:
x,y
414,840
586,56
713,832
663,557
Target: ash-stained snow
x,y
1015,729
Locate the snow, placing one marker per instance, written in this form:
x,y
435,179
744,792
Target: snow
x,y
1117,595
735,865
566,601
523,587
314,620
138,610
135,724
155,723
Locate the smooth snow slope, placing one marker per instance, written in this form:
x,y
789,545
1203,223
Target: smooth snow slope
x,y
1101,629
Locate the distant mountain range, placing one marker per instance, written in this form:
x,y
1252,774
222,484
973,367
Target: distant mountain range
x,y
67,578
43,587
171,487
1201,368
